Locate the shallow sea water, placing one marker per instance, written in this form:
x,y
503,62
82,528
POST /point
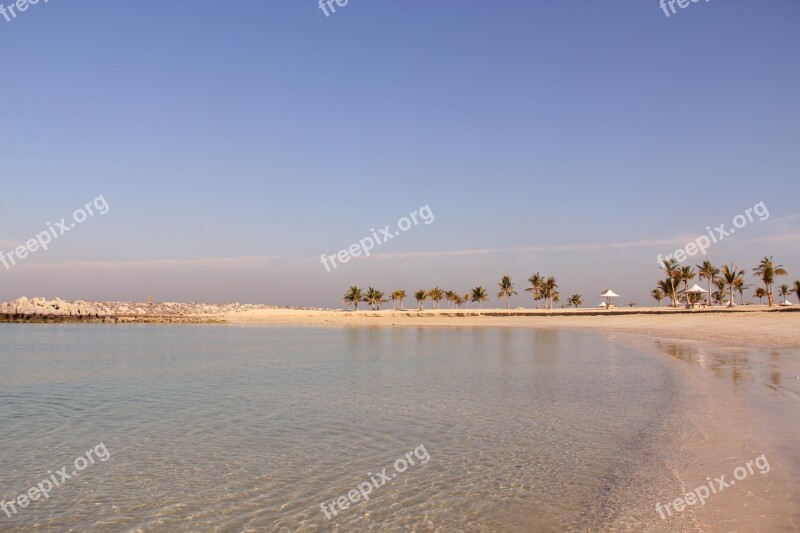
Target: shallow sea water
x,y
224,428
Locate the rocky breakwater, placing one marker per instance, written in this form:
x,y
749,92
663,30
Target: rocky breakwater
x,y
174,312
58,310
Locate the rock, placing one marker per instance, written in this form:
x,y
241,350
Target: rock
x,y
166,311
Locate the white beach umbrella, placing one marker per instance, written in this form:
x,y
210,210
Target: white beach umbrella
x,y
608,295
696,289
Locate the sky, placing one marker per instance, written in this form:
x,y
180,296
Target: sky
x,y
235,143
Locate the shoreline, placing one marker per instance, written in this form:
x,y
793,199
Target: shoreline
x,y
726,418
750,326
743,327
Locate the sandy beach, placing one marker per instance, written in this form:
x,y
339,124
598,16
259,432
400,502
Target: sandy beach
x,y
753,327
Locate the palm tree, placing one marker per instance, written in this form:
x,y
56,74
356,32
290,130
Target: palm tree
x,y
536,281
740,287
670,266
479,295
467,298
665,286
421,296
683,275
375,298
658,295
450,296
436,294
506,290
576,300
721,292
369,297
458,300
379,299
709,272
767,270
352,297
796,288
397,299
784,291
730,274
759,293
549,291
686,274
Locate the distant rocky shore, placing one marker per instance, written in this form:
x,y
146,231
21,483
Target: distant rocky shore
x,y
58,310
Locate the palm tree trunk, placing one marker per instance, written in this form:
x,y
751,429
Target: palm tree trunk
x,y
673,296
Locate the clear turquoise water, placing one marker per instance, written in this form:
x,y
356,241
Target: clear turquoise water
x,y
222,428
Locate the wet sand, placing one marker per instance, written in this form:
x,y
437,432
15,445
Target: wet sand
x,y
740,404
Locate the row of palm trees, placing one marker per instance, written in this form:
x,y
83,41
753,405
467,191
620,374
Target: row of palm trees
x,y
541,288
728,280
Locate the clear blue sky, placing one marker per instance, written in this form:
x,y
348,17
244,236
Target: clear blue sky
x,y
236,142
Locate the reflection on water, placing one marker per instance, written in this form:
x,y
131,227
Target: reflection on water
x,y
743,367
251,429
769,381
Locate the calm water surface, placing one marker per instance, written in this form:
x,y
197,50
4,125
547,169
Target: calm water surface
x,y
251,428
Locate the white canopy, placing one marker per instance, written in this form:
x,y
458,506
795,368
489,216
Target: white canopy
x,y
697,289
603,304
610,294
